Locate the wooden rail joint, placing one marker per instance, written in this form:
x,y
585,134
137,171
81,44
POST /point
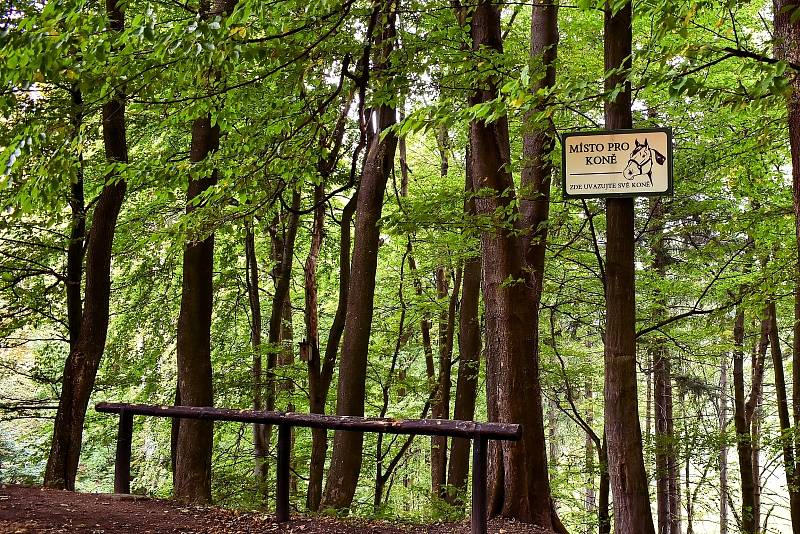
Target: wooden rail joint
x,y
479,433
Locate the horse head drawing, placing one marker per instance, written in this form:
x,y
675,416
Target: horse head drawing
x,y
641,159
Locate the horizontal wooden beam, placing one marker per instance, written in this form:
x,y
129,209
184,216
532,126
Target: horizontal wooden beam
x,y
428,427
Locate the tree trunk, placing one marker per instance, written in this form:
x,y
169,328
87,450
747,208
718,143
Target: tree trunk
x,y
319,437
666,460
469,350
510,322
324,370
195,438
723,451
590,494
783,418
347,446
753,414
664,440
603,511
742,430
537,144
320,372
787,47
440,408
441,405
83,361
284,234
260,447
77,233
626,464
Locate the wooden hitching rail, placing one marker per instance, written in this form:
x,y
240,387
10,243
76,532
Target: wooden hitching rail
x,y
479,433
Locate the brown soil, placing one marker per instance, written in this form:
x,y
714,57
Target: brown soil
x,y
28,510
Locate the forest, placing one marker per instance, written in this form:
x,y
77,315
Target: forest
x,y
357,207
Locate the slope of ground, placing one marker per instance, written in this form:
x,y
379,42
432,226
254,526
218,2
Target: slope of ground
x,y
35,510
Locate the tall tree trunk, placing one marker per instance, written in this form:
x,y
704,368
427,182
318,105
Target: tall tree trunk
x,y
648,409
664,440
552,436
77,232
590,494
440,408
666,460
469,349
319,371
723,450
195,438
260,447
316,399
512,331
783,417
347,446
603,506
742,430
80,370
753,414
787,47
280,333
319,389
626,464
537,144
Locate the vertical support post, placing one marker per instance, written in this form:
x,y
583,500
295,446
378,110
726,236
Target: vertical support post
x,y
479,505
282,495
122,465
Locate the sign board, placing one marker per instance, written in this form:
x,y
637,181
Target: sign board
x,y
617,163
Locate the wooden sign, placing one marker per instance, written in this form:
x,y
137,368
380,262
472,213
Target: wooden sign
x,y
617,163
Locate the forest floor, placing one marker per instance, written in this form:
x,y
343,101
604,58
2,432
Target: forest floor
x,y
26,509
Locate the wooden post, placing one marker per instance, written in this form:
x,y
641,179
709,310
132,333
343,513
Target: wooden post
x,y
122,465
479,510
282,495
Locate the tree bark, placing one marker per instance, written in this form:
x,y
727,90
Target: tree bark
x,y
195,438
666,458
787,48
723,451
80,370
192,477
510,322
321,372
603,506
319,391
469,350
753,414
260,447
626,464
284,234
742,430
537,144
440,408
666,490
590,494
77,233
347,446
784,422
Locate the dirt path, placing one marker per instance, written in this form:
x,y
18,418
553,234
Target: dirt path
x,y
28,510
